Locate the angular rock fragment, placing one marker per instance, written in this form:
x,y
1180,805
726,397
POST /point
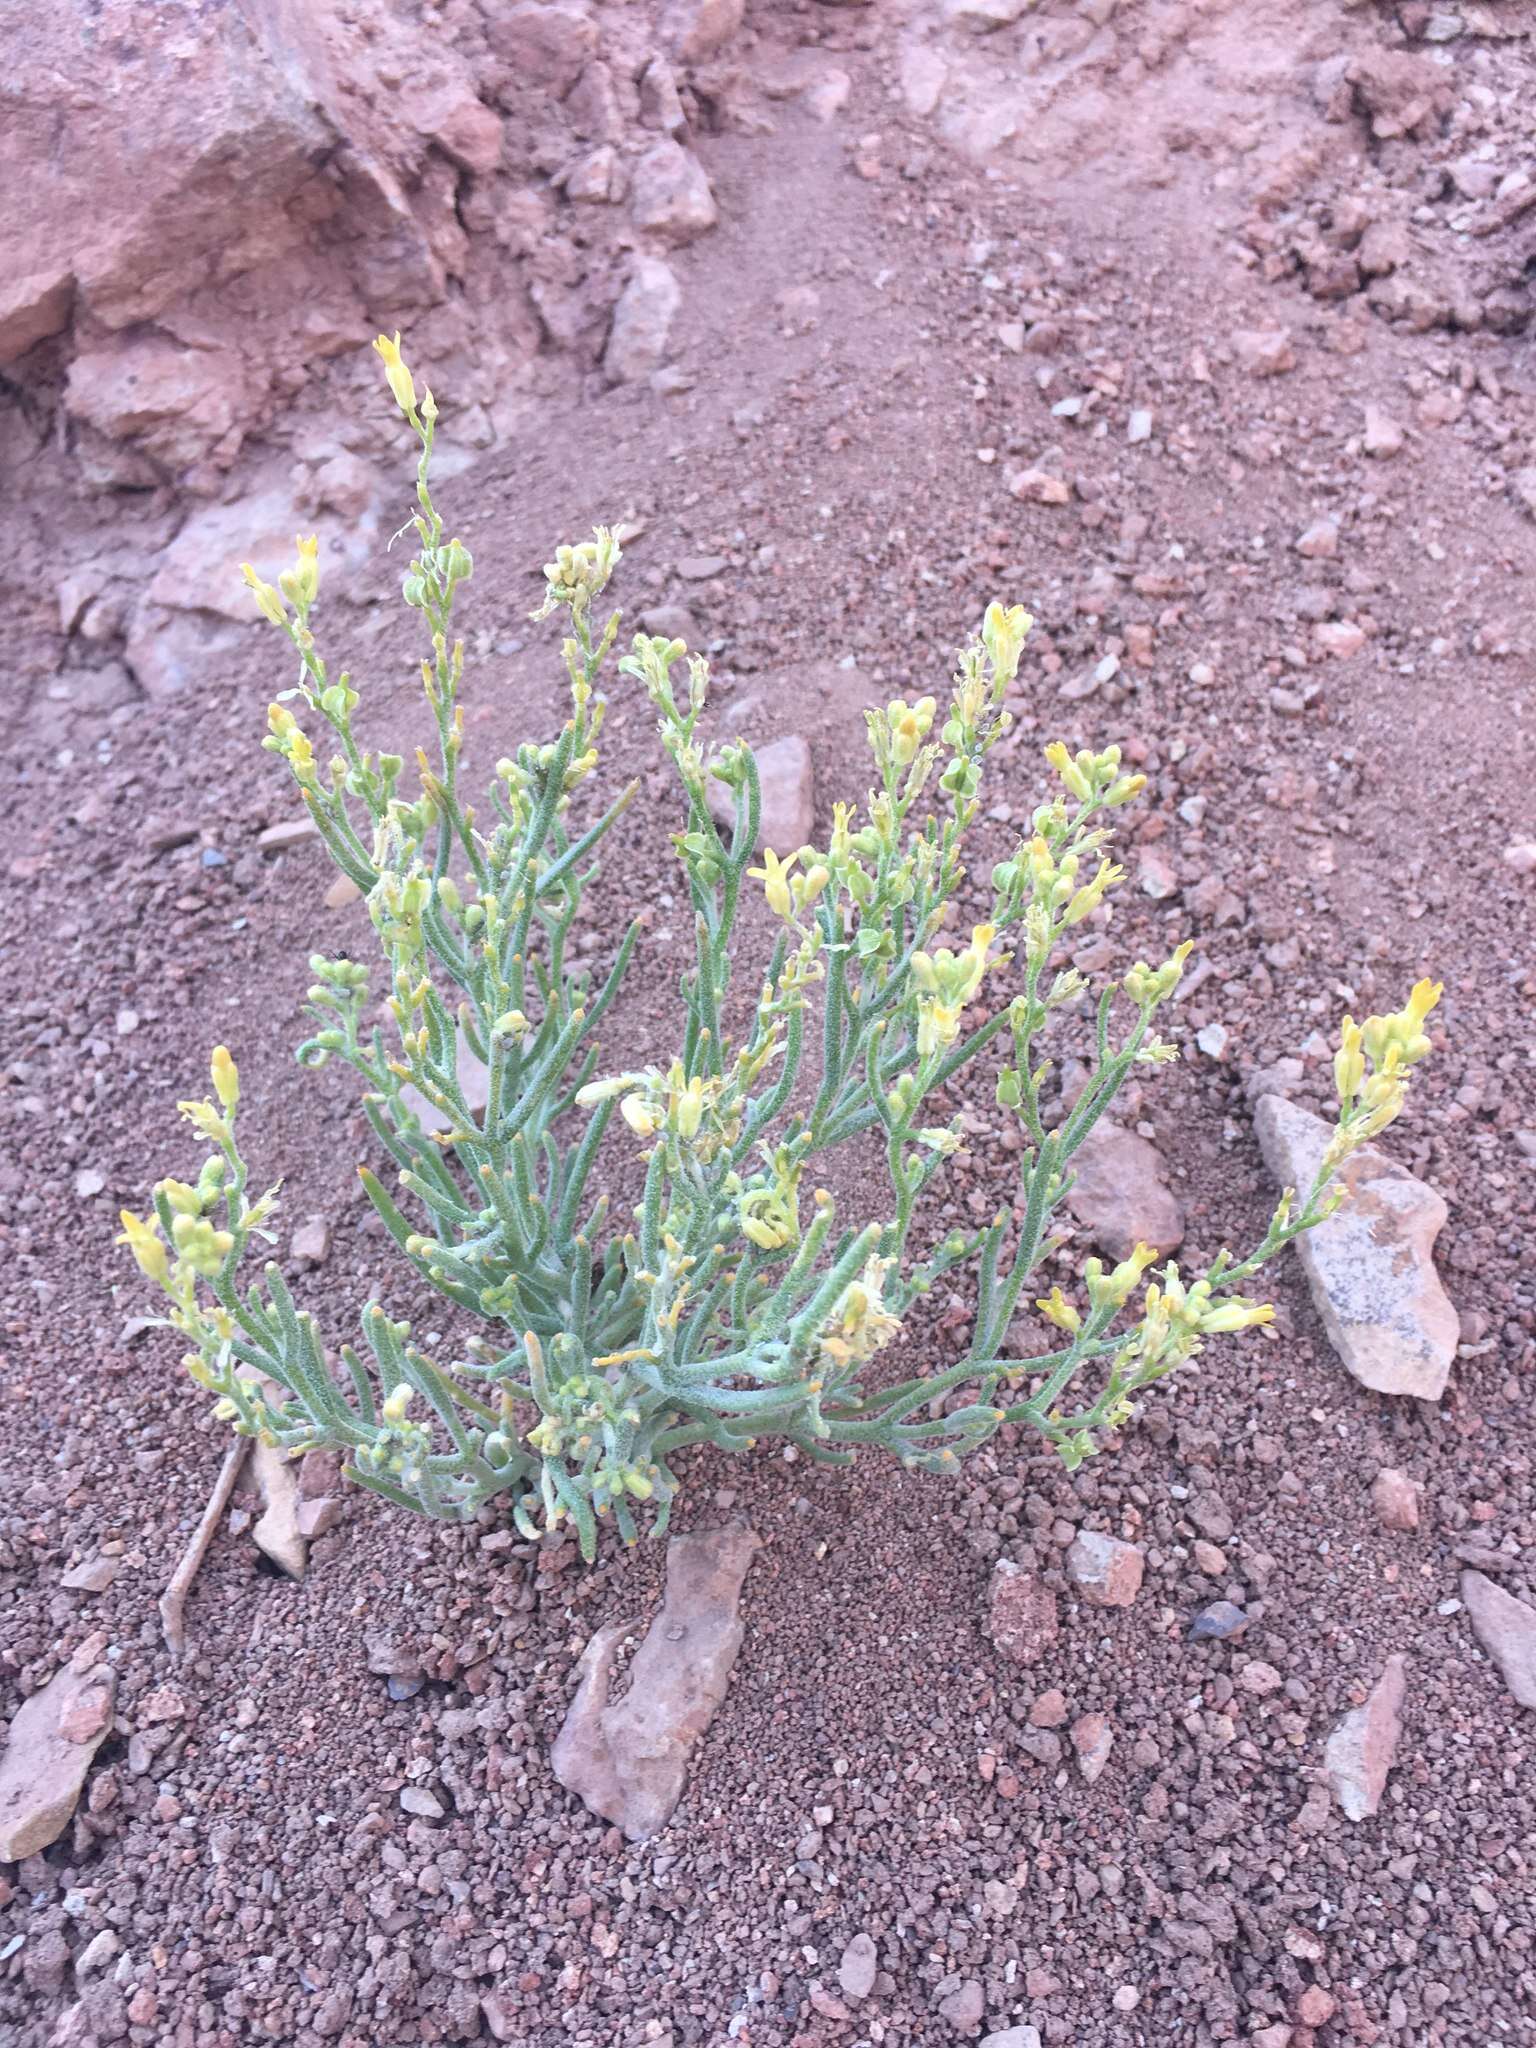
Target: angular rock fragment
x,y
1120,1194
277,1533
52,1740
1360,1750
1104,1570
642,321
1022,1616
627,1760
1506,1628
1371,1267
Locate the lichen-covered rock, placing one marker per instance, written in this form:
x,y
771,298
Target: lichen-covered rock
x,y
628,1760
1370,1267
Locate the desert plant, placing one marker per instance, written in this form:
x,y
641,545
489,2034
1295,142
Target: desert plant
x,y
738,1306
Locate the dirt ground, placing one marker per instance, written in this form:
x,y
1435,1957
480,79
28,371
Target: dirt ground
x,y
1336,827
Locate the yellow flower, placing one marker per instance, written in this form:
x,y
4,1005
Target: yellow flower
x,y
1236,1315
774,877
1003,632
643,1118
143,1240
301,584
226,1077
1073,779
1058,1310
267,599
395,370
1349,1061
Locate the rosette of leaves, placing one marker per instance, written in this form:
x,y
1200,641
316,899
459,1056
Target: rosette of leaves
x,y
734,1304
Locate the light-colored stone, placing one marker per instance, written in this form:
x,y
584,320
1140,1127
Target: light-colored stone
x,y
1360,1750
311,1242
1120,1194
48,1752
670,194
201,568
661,104
1038,487
1506,1628
697,28
627,1759
288,832
94,1575
642,321
1012,2037
1093,1738
1104,1570
856,1972
923,73
1021,1615
1395,1498
787,783
1383,437
277,1532
982,16
1339,638
1320,541
1370,1267
1264,351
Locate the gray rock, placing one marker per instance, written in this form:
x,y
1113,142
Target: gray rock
x,y
964,2006
627,1760
1371,1267
642,321
1360,1750
52,1740
1506,1628
1013,2037
1120,1195
1217,1622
